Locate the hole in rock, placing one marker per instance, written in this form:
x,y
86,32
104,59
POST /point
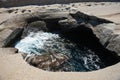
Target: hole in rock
x,y
50,47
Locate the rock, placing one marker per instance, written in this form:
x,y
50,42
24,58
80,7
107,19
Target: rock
x,y
13,37
52,18
3,35
84,18
17,21
22,20
114,45
49,62
34,27
104,32
50,15
67,24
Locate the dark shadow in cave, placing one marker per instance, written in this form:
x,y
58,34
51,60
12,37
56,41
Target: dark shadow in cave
x,y
84,36
53,26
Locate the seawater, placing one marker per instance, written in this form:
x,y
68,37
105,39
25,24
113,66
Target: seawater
x,y
80,58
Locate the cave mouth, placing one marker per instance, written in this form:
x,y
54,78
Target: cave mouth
x,y
52,47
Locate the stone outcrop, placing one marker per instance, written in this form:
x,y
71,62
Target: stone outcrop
x,y
90,31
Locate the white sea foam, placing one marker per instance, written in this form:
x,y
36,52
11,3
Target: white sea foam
x,y
34,40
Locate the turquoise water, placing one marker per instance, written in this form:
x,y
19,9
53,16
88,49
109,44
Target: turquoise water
x,y
80,58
